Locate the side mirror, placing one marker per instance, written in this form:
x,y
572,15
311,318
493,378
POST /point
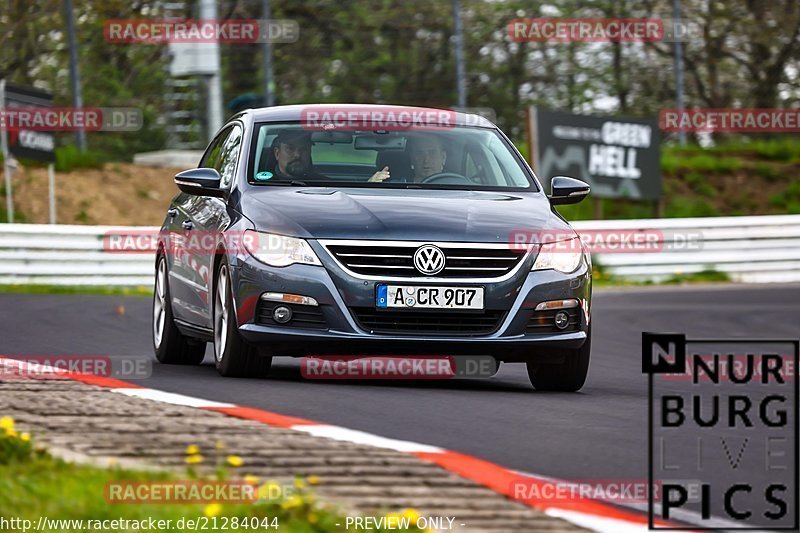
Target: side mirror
x,y
200,182
567,190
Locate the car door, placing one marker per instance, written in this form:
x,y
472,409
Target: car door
x,y
188,292
208,219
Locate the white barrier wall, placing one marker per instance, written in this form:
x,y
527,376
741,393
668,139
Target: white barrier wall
x,y
70,255
752,249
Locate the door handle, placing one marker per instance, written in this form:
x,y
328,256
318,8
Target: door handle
x,y
172,212
187,224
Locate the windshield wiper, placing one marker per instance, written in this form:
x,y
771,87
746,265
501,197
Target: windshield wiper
x,y
449,187
295,183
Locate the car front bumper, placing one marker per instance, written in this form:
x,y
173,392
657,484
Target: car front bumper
x,y
337,293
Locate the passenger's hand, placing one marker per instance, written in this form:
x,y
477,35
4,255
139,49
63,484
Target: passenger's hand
x,y
381,175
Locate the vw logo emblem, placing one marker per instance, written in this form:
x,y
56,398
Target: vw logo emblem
x,y
429,259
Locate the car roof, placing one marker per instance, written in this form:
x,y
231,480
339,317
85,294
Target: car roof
x,y
290,113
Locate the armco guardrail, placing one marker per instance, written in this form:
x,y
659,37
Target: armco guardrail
x,y
70,255
751,249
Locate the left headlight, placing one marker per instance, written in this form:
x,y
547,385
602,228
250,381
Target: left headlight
x,y
563,256
279,250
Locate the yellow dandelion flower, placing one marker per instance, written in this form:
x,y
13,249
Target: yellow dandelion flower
x,y
11,433
252,480
313,480
212,510
299,483
192,449
291,502
269,491
195,459
6,422
235,460
26,437
411,514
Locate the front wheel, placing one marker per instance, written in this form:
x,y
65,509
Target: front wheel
x,y
568,376
170,345
233,357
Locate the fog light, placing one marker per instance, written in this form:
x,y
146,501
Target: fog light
x,y
281,314
562,320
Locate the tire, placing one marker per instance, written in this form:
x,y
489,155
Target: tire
x,y
233,357
170,345
568,376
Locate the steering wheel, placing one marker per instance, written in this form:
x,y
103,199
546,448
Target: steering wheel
x,y
445,178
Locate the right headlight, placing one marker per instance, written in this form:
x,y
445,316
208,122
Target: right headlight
x,y
279,250
563,256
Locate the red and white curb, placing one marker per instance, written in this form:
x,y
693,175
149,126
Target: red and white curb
x,y
588,513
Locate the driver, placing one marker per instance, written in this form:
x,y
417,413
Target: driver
x,y
291,153
427,155
292,156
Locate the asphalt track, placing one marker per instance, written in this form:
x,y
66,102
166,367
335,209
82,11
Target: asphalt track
x,y
597,434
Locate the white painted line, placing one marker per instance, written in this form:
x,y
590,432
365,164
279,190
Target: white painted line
x,y
600,524
693,517
169,397
368,439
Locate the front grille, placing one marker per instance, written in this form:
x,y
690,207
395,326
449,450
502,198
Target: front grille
x,y
396,260
303,316
544,321
428,322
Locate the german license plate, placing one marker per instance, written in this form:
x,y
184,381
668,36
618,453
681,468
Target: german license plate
x,y
429,297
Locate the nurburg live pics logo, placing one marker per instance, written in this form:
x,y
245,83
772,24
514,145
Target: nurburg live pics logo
x,y
723,445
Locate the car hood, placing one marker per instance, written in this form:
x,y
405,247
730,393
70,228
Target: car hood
x,y
400,214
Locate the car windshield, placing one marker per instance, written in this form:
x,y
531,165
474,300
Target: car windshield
x,y
441,158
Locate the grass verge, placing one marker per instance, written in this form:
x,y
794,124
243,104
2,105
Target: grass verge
x,y
33,484
601,278
76,289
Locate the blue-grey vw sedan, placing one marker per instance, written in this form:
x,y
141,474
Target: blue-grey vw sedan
x,y
357,230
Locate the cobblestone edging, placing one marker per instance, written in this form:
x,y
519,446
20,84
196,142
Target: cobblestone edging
x,y
88,423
